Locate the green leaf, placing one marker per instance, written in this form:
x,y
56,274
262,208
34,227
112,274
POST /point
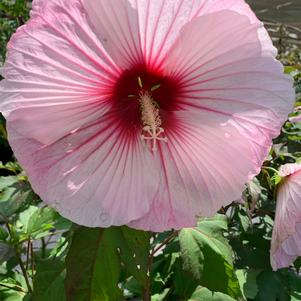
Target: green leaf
x,y
298,87
244,220
160,297
184,284
13,192
49,281
203,250
6,252
113,247
11,295
203,294
271,287
213,228
3,234
248,284
93,266
37,222
40,222
14,289
295,297
134,248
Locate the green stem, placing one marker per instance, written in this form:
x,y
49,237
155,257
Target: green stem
x,y
165,242
147,288
270,168
18,255
27,254
14,287
43,255
23,271
32,262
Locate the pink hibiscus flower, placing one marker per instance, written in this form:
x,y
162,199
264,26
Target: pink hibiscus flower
x,y
146,113
286,238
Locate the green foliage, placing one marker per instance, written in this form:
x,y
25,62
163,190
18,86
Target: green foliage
x,y
203,294
93,266
203,250
44,257
95,261
14,192
49,280
12,15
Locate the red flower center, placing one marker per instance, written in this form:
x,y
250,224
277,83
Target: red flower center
x,y
164,92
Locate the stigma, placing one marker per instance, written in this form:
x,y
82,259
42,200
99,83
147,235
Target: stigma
x,y
151,120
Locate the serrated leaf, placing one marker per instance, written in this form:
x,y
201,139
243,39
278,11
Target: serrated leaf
x,y
214,228
203,250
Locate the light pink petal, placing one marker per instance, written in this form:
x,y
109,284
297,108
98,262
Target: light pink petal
x,y
133,31
98,176
286,238
56,70
161,21
241,7
206,163
289,169
235,99
232,76
116,24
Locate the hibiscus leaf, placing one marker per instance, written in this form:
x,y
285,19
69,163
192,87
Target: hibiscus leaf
x,y
13,193
272,286
41,222
6,252
49,281
203,294
208,257
93,266
248,284
37,222
134,251
182,288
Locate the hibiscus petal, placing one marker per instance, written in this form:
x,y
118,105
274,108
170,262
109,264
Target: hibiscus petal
x,y
235,99
97,176
142,31
116,24
232,76
56,68
286,238
205,166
